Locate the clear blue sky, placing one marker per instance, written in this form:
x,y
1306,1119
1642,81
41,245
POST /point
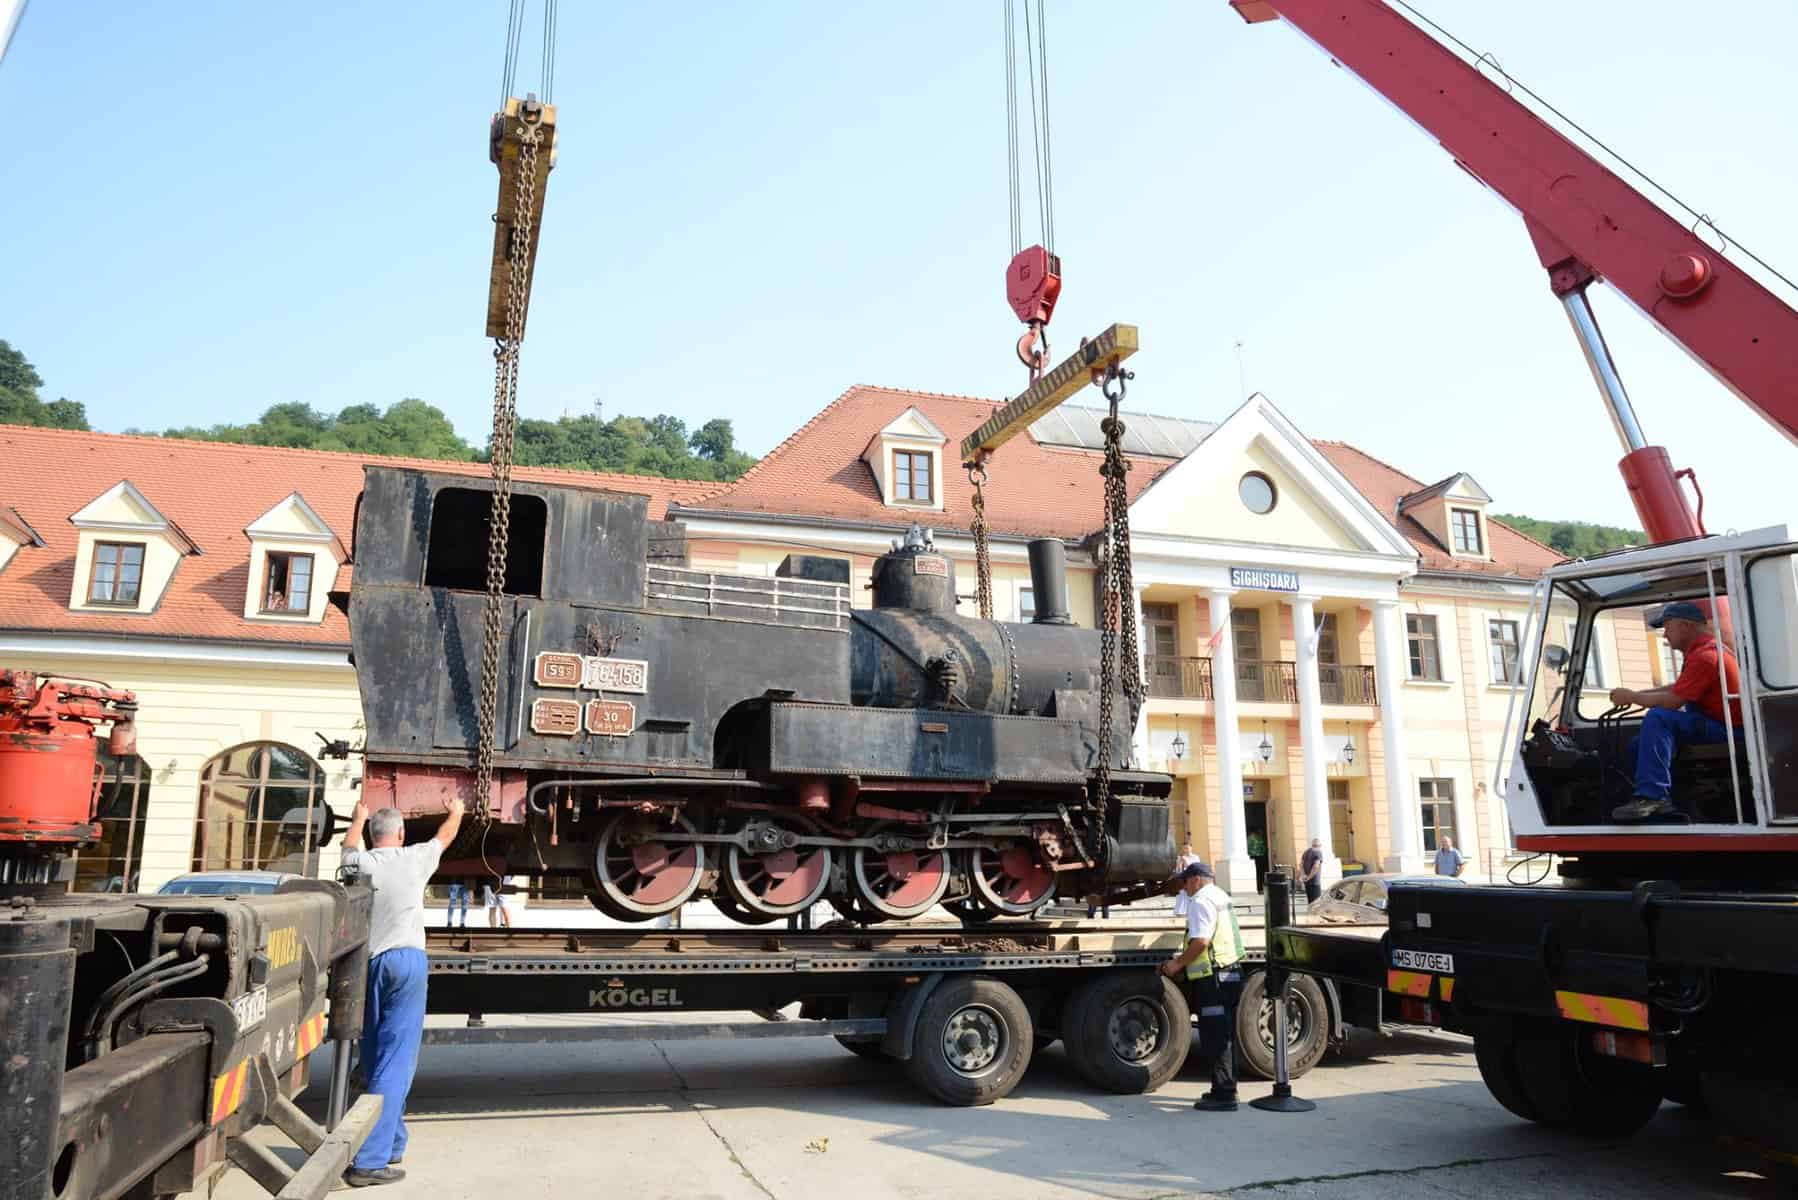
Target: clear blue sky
x,y
216,207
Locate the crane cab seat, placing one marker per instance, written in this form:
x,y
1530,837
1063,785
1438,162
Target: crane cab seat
x,y
1702,783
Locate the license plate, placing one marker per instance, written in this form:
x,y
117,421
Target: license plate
x,y
251,1009
1417,960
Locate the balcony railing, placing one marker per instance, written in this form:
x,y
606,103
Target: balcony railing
x,y
1347,685
1170,677
1173,678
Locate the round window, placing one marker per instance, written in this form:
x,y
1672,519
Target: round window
x,y
1257,492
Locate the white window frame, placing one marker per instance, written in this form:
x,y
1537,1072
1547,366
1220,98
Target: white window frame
x,y
1597,678
1026,590
1492,646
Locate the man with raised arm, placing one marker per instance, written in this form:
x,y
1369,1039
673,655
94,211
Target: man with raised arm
x,y
394,1021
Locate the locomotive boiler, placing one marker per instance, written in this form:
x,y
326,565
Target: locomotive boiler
x,y
664,733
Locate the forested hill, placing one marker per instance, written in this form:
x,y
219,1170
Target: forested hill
x,y
1575,539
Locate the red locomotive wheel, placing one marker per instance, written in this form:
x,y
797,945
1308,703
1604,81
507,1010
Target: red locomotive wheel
x,y
1011,879
901,883
776,883
641,875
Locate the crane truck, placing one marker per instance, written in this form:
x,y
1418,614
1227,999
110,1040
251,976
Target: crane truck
x,y
1663,963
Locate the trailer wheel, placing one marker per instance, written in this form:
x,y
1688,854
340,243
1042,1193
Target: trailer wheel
x,y
972,1041
1495,1052
1307,1027
1128,1031
1576,1089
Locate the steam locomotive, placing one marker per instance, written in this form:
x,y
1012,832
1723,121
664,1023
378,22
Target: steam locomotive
x,y
664,733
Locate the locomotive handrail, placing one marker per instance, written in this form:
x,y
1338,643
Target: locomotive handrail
x,y
769,598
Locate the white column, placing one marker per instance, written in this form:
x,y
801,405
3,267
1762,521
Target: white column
x,y
1236,870
1406,851
1311,729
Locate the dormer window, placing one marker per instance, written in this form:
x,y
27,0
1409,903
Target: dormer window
x,y
118,574
287,585
294,556
904,458
1466,527
912,472
1454,513
125,554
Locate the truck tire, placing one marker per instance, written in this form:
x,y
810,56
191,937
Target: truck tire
x,y
1307,1016
1574,1088
972,1042
1127,1032
1495,1051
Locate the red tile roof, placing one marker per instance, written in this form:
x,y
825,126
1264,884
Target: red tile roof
x,y
1035,491
1513,553
212,490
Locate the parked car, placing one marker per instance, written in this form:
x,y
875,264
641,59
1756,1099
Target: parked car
x,y
1361,899
225,883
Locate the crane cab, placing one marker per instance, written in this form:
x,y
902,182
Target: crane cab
x,y
1571,758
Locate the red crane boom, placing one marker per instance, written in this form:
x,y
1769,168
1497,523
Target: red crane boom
x,y
1586,224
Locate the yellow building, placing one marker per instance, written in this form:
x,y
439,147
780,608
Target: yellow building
x,y
1328,643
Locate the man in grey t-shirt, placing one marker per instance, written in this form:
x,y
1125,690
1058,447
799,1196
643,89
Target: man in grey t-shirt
x,y
1449,861
394,1021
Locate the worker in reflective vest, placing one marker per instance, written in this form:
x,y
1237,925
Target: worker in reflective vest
x,y
1212,967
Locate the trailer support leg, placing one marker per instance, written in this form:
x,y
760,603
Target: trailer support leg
x,y
1279,913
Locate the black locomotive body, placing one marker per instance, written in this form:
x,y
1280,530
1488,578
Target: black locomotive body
x,y
664,733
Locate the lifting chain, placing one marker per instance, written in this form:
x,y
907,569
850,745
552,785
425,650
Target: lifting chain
x,y
1117,629
983,563
505,423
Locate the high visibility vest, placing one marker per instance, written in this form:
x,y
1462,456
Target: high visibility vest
x,y
1225,949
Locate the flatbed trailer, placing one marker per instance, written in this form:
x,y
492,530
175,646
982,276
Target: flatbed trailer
x,y
1588,1007
962,1007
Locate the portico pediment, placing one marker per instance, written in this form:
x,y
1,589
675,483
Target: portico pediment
x,y
1257,479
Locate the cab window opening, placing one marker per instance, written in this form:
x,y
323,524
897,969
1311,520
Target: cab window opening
x,y
456,554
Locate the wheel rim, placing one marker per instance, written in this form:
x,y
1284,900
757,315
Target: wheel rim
x,y
974,1039
777,881
641,874
1297,1014
1010,879
903,883
1135,1030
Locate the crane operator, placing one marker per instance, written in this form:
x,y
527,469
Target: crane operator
x,y
1687,712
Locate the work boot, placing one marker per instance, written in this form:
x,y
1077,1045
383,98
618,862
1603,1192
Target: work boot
x,y
1643,808
357,1177
1214,1101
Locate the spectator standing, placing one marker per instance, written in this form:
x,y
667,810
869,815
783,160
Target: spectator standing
x,y
1311,868
1449,861
458,902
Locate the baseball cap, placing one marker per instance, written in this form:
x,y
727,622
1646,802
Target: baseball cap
x,y
1679,610
1197,870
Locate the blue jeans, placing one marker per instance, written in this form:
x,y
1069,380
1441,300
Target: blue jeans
x,y
458,900
392,1028
1664,731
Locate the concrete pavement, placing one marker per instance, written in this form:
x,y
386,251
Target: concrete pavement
x,y
805,1120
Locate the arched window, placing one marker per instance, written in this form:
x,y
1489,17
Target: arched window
x,y
257,802
111,864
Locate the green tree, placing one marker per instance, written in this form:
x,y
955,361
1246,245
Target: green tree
x,y
19,402
1575,539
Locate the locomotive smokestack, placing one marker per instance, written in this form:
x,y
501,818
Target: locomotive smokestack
x,y
1049,581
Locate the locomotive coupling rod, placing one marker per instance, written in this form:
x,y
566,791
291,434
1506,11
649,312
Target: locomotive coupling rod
x,y
1085,366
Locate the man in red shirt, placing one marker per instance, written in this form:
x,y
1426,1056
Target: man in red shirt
x,y
1687,713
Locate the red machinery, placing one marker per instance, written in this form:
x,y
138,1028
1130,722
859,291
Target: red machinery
x,y
1586,224
48,751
